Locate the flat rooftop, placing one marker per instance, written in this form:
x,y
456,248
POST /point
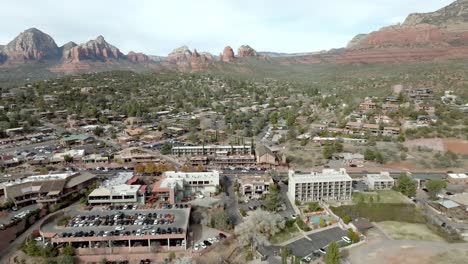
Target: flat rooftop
x,y
458,176
45,177
327,175
383,176
180,220
119,179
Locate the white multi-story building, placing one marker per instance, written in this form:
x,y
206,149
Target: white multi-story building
x,y
178,186
212,150
329,184
380,181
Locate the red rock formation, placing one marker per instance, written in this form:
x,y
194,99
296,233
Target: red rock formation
x,y
32,44
228,54
246,51
137,57
97,49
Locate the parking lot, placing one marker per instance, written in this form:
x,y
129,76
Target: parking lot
x,y
309,246
123,223
306,247
12,214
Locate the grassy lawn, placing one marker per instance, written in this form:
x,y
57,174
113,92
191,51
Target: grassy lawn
x,y
408,231
383,196
378,212
285,235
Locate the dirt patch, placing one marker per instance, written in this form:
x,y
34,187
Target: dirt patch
x,y
408,231
456,256
458,146
431,143
400,165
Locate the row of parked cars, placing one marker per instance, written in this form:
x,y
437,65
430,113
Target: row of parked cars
x,y
20,215
170,206
120,219
210,241
122,207
121,232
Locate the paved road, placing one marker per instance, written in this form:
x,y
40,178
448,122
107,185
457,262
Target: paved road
x,y
8,252
309,243
28,146
285,200
7,218
229,200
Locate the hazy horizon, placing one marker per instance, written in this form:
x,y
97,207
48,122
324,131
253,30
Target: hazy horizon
x,y
158,27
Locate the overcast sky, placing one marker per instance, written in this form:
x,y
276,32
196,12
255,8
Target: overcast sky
x,y
156,27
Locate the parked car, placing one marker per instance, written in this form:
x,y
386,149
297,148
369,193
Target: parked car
x,y
346,239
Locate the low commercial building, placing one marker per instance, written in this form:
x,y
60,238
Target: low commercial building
x,y
211,150
265,156
329,184
122,193
136,155
457,178
182,186
49,188
77,140
117,190
381,181
255,184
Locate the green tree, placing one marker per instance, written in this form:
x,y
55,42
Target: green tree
x,y
434,187
219,220
322,222
369,154
313,206
406,185
284,252
68,250
332,256
98,131
353,236
346,219
67,158
272,200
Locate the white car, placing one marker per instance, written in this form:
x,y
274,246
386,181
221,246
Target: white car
x,y
119,228
215,239
346,239
196,247
211,240
202,245
183,243
153,232
293,216
38,239
200,196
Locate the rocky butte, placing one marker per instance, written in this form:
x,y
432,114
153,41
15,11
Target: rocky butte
x,y
31,44
246,51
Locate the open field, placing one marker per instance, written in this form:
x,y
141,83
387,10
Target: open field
x,y
408,231
455,256
384,196
458,146
378,212
382,250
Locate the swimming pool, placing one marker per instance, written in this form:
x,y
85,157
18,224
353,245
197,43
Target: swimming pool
x,y
316,219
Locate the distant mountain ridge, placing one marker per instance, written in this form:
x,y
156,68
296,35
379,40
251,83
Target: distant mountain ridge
x,y
442,34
